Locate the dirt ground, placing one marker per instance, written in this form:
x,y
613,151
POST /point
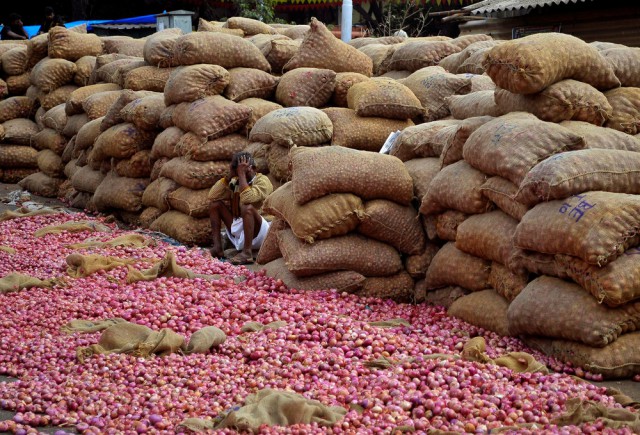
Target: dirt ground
x,y
628,387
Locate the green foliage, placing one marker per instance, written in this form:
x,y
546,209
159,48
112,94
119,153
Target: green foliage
x,y
262,10
408,16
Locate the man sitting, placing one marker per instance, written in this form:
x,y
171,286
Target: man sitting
x,y
246,191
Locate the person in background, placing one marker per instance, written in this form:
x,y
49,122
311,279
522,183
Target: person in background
x,y
246,190
13,29
50,20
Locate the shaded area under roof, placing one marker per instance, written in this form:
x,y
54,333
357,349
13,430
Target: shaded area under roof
x,y
513,8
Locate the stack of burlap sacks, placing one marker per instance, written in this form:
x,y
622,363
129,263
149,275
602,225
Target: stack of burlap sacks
x,y
539,206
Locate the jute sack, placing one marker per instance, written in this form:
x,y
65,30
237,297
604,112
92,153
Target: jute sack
x,y
321,49
149,215
250,83
432,86
301,126
414,55
50,164
158,48
49,139
157,167
507,283
502,193
13,176
416,142
562,101
487,235
384,98
603,138
278,162
481,82
594,226
614,284
39,118
193,203
397,225
536,263
481,103
462,42
269,250
574,172
259,152
190,83
417,265
71,168
147,78
474,64
77,98
98,105
625,62
452,138
456,187
211,117
74,124
41,184
70,45
192,174
492,316
380,55
281,52
115,72
206,26
344,81
551,307
442,297
259,108
329,216
49,74
14,61
385,40
626,110
616,361
306,87
2,131
138,166
128,46
88,134
447,224
453,63
422,172
450,266
57,96
144,112
113,115
195,148
533,63
362,133
54,118
183,228
157,192
351,252
215,48
16,107
397,287
20,131
120,192
343,281
84,69
511,145
249,26
86,179
18,156
18,85
296,32
166,119
319,171
263,41
122,141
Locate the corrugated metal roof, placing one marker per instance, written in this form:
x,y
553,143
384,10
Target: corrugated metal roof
x,y
513,8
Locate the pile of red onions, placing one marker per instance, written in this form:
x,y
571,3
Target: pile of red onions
x,y
320,353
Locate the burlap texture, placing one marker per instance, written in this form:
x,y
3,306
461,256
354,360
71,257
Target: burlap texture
x,y
442,297
149,215
417,54
479,103
24,212
343,281
380,55
502,193
138,166
384,98
416,142
626,110
113,116
259,108
306,87
301,126
50,74
397,225
166,267
191,202
213,26
397,287
417,265
456,187
536,263
190,83
49,139
75,123
625,62
587,411
50,163
320,49
533,63
385,40
144,112
57,96
122,141
183,228
344,81
192,174
17,107
519,362
269,250
129,240
422,172
211,117
80,266
450,266
281,52
122,193
70,45
507,283
87,180
511,145
88,134
250,83
84,69
158,48
19,85
351,252
41,184
594,226
603,138
195,148
322,218
14,282
485,309
14,61
116,71
204,339
487,235
447,223
165,143
18,156
451,139
19,131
